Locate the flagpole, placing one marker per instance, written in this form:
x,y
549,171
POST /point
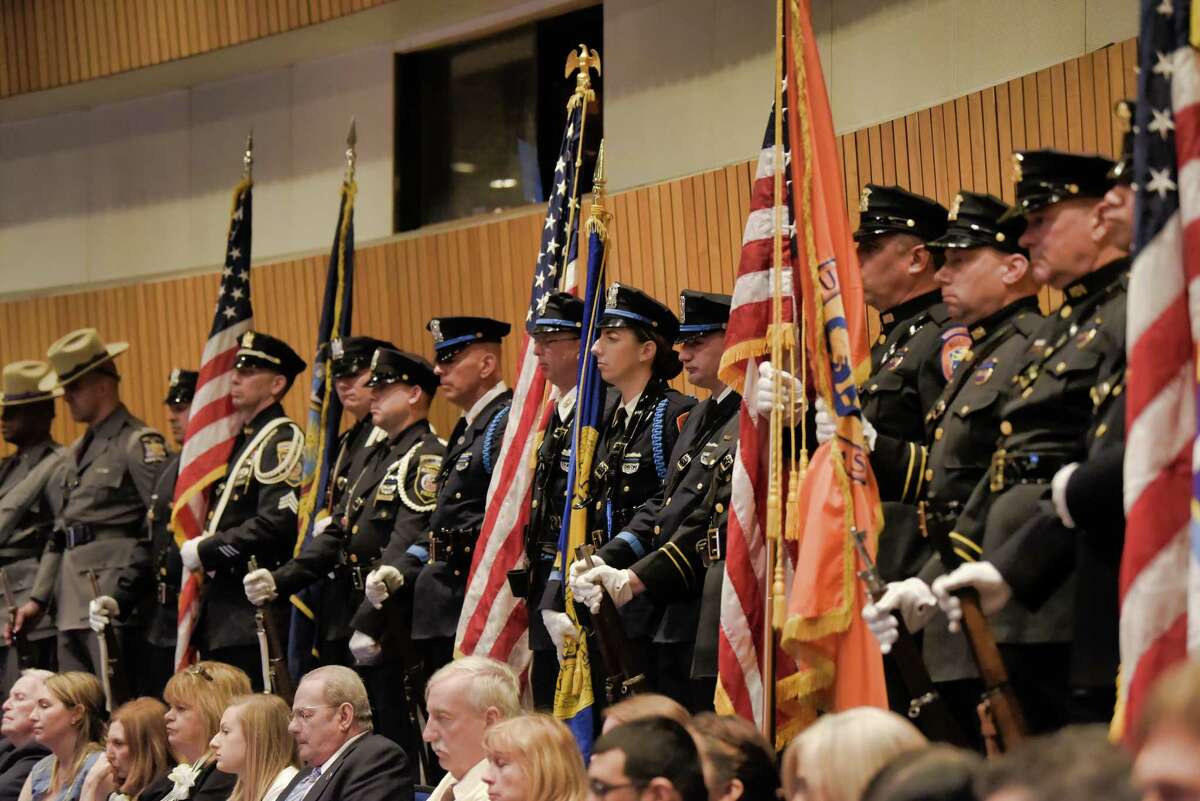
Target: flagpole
x,y
248,157
774,527
585,60
351,156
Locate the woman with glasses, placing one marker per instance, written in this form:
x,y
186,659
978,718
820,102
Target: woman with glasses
x,y
254,744
196,698
533,758
68,718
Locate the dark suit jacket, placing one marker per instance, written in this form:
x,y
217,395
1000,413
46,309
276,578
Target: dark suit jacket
x,y
373,768
211,785
15,764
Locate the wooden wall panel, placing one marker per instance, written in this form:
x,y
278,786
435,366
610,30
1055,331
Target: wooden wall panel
x,y
49,43
682,233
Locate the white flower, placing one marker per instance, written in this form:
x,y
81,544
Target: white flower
x,y
118,797
183,776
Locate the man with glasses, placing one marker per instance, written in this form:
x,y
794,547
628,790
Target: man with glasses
x,y
651,759
344,759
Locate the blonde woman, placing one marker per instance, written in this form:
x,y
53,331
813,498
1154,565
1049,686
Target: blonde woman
x,y
835,758
137,751
254,744
68,718
196,698
644,705
533,758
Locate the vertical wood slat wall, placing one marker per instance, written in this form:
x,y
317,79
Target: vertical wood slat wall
x,y
50,43
665,237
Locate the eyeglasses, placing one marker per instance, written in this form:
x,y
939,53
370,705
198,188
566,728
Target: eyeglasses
x,y
600,788
305,713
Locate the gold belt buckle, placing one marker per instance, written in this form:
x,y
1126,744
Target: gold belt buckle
x,y
433,547
997,482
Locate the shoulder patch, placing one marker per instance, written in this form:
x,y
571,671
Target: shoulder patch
x,y
956,344
154,448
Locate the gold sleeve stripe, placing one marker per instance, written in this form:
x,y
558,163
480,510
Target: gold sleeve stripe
x,y
960,539
680,562
912,458
966,557
920,473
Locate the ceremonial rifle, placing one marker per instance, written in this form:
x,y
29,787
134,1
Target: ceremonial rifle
x,y
115,682
19,640
623,676
398,647
271,650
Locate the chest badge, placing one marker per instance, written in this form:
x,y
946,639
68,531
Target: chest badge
x,y
464,461
631,463
984,372
896,358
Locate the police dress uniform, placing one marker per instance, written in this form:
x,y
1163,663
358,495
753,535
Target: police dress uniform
x,y
437,563
348,356
29,500
107,478
632,460
917,351
252,513
1043,427
162,600
562,313
684,572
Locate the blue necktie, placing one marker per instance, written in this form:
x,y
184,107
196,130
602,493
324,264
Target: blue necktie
x,y
304,785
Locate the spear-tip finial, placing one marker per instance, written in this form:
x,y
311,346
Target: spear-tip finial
x,y
248,156
351,141
598,179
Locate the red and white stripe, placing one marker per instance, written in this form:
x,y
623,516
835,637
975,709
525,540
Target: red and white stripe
x,y
1160,573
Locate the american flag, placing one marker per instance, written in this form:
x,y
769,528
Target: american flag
x,y
494,623
1160,574
213,425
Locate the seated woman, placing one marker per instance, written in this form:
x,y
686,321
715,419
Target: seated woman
x,y
255,745
68,718
739,764
136,752
533,758
196,698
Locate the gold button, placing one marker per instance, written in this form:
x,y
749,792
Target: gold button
x,y
700,485
534,504
599,505
938,433
929,474
1058,368
625,488
966,407
881,339
1028,391
658,529
354,530
1065,312
1102,429
668,503
874,387
1117,389
457,495
1005,427
354,557
720,507
458,572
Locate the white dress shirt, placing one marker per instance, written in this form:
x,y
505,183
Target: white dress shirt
x,y
469,788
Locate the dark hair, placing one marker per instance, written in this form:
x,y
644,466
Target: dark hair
x,y
935,773
1073,764
735,749
658,748
666,361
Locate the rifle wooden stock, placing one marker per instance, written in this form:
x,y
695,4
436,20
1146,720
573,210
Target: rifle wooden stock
x,y
926,707
999,700
115,680
623,675
19,640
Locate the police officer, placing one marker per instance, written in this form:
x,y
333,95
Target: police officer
x,y
253,510
987,286
162,602
556,334
686,523
26,507
435,565
350,367
633,354
108,478
1064,559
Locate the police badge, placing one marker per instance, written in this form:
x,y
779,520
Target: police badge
x,y
435,328
610,300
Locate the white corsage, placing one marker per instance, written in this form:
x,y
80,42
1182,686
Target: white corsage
x,y
118,797
183,776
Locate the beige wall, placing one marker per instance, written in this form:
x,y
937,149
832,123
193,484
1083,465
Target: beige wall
x,y
136,183
697,73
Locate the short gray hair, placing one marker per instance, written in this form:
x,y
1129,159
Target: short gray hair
x,y
344,686
492,684
37,673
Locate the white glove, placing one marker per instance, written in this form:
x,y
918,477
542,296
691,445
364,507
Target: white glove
x,y
322,524
589,588
764,391
364,649
560,628
190,553
576,571
382,582
993,590
1058,493
101,611
912,598
826,422
260,586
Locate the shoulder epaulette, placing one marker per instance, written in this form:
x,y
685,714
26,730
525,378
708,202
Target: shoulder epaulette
x,y
656,439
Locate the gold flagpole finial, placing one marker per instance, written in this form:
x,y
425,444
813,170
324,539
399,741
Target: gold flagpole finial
x,y
351,156
248,156
584,61
599,217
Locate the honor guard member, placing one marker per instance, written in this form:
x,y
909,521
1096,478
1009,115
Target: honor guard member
x,y
108,477
686,523
634,355
988,286
555,333
436,565
388,502
30,497
1073,543
252,512
162,600
350,367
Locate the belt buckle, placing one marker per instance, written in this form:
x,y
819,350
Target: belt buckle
x,y
433,548
162,593
356,578
74,536
712,545
597,538
997,480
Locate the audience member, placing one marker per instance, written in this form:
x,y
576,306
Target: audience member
x,y
739,764
1167,765
1076,763
937,773
835,757
645,705
650,759
254,744
68,718
533,758
136,750
19,752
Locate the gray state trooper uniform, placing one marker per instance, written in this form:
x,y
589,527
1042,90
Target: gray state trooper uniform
x,y
107,479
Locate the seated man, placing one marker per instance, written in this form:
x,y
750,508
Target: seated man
x,y
650,759
464,698
1167,764
344,760
18,750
